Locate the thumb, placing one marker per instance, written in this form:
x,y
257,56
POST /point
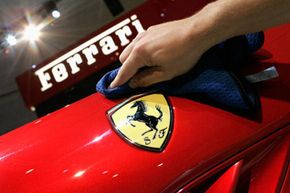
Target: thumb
x,y
147,77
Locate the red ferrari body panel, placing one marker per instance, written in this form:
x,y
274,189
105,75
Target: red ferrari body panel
x,y
76,149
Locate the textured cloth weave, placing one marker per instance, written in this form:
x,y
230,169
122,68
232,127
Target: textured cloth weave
x,y
210,81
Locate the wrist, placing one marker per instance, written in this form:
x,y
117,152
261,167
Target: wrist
x,y
206,26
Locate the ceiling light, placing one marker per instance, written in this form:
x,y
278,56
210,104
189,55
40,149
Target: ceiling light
x,y
55,14
11,40
50,8
31,33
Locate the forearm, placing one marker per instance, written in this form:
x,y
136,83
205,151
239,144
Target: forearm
x,y
223,19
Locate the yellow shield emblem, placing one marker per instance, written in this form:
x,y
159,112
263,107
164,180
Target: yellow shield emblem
x,y
145,121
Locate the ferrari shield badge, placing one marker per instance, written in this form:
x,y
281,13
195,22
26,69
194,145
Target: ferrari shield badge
x,y
145,121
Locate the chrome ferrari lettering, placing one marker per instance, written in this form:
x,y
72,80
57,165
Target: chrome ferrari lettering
x,y
137,24
44,79
89,53
59,72
108,45
123,33
71,63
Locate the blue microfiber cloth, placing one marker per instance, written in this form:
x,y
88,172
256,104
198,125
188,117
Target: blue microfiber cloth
x,y
212,80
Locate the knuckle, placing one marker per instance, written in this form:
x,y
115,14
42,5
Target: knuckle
x,y
139,49
150,28
140,35
122,58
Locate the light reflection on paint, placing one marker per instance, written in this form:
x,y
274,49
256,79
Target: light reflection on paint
x,y
98,138
79,173
29,171
116,175
38,121
2,157
161,164
122,123
105,172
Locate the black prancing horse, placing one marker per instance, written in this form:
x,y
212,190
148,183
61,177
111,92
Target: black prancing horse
x,y
149,120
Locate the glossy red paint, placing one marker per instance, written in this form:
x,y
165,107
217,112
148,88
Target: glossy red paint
x,y
286,185
267,176
227,182
251,157
76,150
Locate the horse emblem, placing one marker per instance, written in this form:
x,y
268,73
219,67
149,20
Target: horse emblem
x,y
150,121
145,121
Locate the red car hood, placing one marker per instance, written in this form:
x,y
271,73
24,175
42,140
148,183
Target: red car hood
x,y
76,149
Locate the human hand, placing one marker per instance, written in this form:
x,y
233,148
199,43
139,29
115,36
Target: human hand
x,y
173,48
166,50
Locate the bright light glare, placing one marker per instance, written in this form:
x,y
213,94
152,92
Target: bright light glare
x,y
31,33
79,173
11,40
55,14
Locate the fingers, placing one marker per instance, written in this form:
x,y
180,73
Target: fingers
x,y
148,77
128,69
131,59
126,52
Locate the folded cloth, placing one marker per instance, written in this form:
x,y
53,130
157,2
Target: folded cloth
x,y
212,80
